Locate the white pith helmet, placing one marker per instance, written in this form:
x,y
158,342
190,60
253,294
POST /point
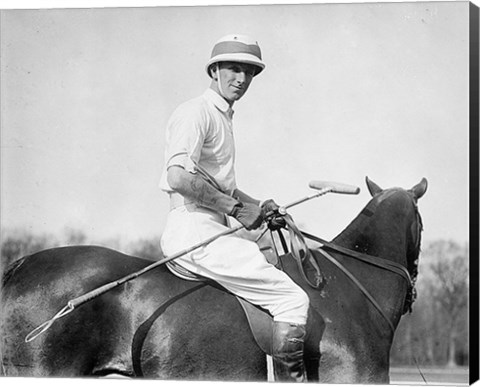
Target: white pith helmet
x,y
236,48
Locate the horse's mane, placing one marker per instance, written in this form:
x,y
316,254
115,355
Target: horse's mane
x,y
413,252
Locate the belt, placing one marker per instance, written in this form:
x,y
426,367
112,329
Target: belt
x,y
177,200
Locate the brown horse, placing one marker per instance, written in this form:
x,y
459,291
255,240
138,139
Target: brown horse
x,y
159,326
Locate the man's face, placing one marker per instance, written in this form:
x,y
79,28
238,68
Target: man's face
x,y
234,78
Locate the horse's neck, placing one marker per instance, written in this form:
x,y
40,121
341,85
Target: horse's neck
x,y
378,230
382,229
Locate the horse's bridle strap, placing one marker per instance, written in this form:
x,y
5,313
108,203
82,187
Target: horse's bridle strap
x,y
377,261
302,254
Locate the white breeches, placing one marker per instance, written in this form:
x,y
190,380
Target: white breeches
x,y
234,262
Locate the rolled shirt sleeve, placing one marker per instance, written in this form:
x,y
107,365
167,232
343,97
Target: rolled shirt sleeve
x,y
186,133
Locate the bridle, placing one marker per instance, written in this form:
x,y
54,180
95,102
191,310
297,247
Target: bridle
x,y
301,253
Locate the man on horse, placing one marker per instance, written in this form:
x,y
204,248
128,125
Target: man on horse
x,y
200,180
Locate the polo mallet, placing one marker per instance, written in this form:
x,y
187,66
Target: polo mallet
x,y
323,188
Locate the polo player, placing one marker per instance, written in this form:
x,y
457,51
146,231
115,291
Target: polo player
x,y
199,177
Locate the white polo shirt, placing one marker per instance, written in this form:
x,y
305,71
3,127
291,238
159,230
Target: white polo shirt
x,y
200,135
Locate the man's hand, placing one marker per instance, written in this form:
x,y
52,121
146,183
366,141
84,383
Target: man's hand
x,y
275,221
249,215
270,206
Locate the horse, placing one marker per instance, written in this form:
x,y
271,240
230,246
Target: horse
x,y
159,326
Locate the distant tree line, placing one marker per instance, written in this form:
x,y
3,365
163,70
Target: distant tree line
x,y
17,243
436,333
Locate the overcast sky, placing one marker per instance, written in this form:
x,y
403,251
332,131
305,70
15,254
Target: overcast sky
x,y
349,90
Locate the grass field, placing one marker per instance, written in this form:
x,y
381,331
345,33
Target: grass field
x,y
407,376
439,376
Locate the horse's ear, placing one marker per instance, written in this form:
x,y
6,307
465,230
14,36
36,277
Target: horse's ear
x,y
372,187
420,189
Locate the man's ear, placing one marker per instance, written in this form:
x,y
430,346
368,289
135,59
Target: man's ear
x,y
213,72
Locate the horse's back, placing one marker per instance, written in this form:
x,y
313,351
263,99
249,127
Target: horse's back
x,y
74,267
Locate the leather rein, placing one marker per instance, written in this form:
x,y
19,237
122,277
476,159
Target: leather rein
x,y
301,253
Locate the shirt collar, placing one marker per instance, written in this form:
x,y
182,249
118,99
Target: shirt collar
x,y
218,101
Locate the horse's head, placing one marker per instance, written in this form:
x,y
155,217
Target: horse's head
x,y
404,203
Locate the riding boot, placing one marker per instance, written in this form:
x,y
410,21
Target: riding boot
x,y
287,354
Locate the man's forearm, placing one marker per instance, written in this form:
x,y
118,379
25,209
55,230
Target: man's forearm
x,y
195,188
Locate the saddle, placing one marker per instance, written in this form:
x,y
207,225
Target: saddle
x,y
300,266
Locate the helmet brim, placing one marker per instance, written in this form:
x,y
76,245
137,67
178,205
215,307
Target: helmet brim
x,y
236,57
